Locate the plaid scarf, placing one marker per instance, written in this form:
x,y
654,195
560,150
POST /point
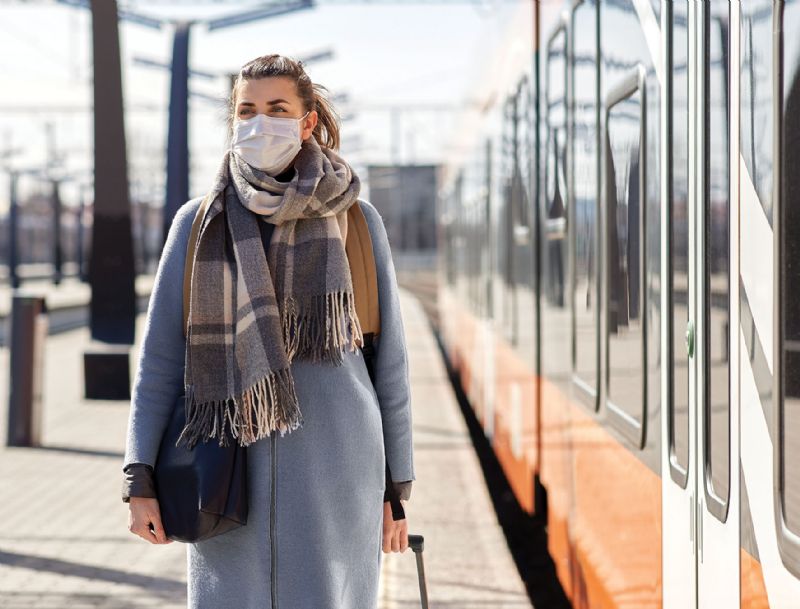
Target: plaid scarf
x,y
252,313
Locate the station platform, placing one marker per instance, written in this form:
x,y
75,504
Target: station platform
x,y
64,540
70,293
67,303
467,560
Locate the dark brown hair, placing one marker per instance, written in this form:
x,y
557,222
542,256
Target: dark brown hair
x,y
314,96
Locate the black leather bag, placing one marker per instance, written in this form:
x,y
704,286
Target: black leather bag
x,y
201,492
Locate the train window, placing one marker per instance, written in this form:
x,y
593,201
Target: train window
x,y
520,213
488,242
678,249
585,185
469,252
507,161
716,278
509,176
554,252
787,343
523,166
475,238
449,228
625,188
756,121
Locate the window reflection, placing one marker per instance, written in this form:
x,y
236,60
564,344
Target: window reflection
x,y
585,187
790,268
717,244
555,222
624,200
678,219
506,219
555,213
756,123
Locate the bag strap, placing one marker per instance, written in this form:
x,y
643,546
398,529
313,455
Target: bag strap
x,y
187,268
358,246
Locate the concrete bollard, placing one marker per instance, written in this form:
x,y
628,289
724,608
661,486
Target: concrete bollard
x,y
28,332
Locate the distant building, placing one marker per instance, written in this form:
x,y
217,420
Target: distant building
x,y
405,195
35,226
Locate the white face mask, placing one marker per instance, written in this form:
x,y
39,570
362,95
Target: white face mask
x,y
267,142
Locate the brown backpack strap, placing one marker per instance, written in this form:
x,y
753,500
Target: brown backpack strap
x,y
358,246
362,269
187,268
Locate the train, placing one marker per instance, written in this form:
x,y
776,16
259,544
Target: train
x,y
619,292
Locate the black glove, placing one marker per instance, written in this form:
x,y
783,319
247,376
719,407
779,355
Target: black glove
x,y
392,494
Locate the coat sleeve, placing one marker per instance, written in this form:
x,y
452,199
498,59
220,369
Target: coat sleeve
x,y
392,383
138,481
403,489
160,370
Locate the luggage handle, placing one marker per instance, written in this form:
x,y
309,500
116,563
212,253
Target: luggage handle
x,y
417,543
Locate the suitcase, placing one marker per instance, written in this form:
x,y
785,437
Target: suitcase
x,y
416,543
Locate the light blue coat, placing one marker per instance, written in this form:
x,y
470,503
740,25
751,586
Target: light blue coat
x,y
314,532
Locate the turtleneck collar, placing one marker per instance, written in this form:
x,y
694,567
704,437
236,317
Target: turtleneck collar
x,y
287,175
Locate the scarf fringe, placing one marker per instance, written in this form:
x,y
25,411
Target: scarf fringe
x,y
270,404
305,322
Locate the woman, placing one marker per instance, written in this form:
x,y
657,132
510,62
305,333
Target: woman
x,y
317,517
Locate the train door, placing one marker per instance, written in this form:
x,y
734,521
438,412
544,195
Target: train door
x,y
769,61
700,494
715,266
678,426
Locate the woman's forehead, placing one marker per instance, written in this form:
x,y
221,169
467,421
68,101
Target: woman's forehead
x,y
268,88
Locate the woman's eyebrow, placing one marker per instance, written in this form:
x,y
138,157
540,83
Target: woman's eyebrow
x,y
271,102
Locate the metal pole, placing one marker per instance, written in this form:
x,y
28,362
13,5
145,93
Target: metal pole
x,y
29,325
178,136
79,228
57,254
111,268
13,222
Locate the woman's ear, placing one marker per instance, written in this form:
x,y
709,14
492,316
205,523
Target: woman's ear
x,y
310,124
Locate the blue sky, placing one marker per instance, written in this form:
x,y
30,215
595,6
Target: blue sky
x,y
426,61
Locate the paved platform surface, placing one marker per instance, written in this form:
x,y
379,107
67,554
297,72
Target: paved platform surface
x,y
64,541
70,293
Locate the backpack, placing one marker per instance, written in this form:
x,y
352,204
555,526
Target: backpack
x,y
358,246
